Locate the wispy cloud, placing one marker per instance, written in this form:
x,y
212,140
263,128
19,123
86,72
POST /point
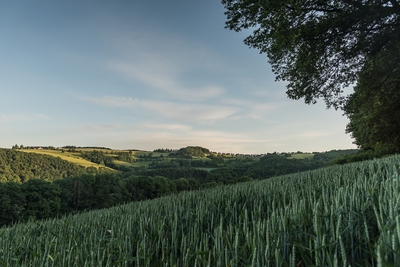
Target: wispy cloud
x,y
190,112
168,127
99,127
182,111
219,141
113,101
314,134
162,62
160,77
22,117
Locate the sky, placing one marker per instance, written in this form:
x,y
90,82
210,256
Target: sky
x,y
147,74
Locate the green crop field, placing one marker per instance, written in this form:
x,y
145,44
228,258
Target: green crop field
x,y
345,215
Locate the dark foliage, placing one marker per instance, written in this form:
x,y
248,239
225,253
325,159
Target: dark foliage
x,y
318,47
191,151
20,167
38,199
374,107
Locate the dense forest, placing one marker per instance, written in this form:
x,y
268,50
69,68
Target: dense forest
x,y
20,167
35,186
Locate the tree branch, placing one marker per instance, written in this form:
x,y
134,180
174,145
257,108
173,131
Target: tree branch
x,y
394,3
316,9
355,3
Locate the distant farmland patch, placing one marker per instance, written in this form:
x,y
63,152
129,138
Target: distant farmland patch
x,y
73,157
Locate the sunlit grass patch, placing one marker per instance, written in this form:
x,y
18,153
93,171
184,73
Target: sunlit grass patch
x,y
73,157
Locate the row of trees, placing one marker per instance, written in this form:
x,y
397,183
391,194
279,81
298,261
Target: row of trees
x,y
98,157
191,151
213,163
39,199
233,171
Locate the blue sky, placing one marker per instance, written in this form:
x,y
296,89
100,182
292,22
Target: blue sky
x,y
146,75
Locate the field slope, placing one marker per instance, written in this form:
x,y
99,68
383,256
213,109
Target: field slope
x,y
344,215
73,157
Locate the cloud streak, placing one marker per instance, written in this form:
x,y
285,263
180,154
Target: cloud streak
x,y
100,127
181,111
161,62
159,77
22,117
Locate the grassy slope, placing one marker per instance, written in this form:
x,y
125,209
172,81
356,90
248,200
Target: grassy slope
x,y
337,216
73,157
301,156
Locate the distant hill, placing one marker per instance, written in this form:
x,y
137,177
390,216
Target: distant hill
x,y
192,152
20,167
199,163
47,182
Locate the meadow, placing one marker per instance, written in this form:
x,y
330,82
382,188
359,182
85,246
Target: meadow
x,y
344,215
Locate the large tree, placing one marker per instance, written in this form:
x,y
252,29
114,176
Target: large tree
x,y
318,46
374,107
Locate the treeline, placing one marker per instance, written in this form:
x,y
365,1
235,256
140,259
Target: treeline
x,y
39,199
164,150
107,159
233,171
275,165
203,163
98,157
20,167
190,152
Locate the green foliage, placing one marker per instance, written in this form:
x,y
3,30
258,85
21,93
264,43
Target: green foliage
x,y
318,47
125,156
20,167
38,199
374,107
338,216
12,201
361,155
164,150
172,172
41,199
97,156
275,165
178,163
231,170
192,151
322,47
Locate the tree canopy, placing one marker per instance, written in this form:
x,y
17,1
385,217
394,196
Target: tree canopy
x,y
374,107
318,46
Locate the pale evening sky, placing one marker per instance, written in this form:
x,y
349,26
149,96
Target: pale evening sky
x,y
146,74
